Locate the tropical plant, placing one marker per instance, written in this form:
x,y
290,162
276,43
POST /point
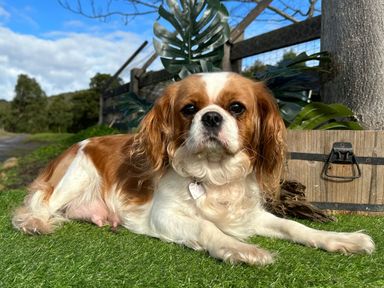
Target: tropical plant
x,y
294,83
133,108
194,43
322,116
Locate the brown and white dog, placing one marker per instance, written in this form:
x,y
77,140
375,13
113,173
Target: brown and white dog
x,y
194,174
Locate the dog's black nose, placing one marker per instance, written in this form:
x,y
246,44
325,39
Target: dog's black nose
x,y
212,120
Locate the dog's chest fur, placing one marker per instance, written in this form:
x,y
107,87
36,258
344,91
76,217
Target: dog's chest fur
x,y
231,206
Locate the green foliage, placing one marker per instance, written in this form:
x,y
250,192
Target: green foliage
x,y
195,43
296,86
28,108
60,114
254,69
27,91
100,81
292,81
93,131
85,109
133,109
31,111
289,57
322,116
5,114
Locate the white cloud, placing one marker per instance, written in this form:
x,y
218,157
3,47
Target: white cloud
x,y
4,15
62,62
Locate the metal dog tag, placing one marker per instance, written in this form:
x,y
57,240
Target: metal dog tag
x,y
196,190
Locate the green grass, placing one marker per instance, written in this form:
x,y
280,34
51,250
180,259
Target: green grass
x,y
82,255
48,137
4,133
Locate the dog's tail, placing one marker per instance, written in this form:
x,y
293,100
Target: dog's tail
x,y
40,214
34,216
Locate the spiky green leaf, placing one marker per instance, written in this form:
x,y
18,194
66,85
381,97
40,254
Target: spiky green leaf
x,y
193,31
324,116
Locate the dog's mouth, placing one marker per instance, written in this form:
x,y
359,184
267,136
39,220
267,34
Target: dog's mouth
x,y
211,142
215,144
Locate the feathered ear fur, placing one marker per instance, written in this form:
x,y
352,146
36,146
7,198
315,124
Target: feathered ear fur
x,y
149,149
268,142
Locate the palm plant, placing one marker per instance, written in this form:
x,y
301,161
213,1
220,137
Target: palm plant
x,y
294,83
320,116
296,86
133,108
194,39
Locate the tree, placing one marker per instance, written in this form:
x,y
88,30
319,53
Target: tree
x,y
85,109
28,108
259,66
101,83
5,114
294,12
101,80
256,67
60,114
353,34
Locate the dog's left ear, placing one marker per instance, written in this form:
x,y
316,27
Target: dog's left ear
x,y
268,141
150,146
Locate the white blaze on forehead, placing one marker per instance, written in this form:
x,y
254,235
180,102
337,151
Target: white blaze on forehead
x,y
214,83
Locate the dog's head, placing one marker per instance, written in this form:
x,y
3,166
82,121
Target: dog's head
x,y
212,116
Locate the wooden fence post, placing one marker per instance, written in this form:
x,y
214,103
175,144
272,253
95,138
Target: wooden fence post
x,y
134,85
228,64
237,34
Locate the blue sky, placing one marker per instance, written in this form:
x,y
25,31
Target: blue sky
x,y
42,17
60,49
63,50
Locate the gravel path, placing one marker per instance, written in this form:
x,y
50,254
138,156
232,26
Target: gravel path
x,y
15,145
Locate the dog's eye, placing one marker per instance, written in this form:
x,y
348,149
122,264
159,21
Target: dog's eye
x,y
189,110
236,108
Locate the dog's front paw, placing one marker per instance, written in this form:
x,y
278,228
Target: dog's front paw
x,y
247,253
348,243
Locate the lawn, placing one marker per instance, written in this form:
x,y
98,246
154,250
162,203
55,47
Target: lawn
x,y
82,255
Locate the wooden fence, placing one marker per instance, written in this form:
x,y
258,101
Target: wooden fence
x,y
284,37
344,186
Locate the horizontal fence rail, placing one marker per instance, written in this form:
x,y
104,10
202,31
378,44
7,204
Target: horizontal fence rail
x,y
287,36
146,79
154,77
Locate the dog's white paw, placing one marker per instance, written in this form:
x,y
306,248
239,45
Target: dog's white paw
x,y
348,243
246,253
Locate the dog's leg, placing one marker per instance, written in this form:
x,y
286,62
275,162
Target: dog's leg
x,y
45,206
200,234
266,224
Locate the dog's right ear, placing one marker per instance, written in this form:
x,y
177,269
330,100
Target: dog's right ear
x,y
155,133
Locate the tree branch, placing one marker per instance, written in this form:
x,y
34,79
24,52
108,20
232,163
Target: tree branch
x,y
145,7
103,15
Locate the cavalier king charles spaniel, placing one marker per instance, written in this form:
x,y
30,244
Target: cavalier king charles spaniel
x,y
195,173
